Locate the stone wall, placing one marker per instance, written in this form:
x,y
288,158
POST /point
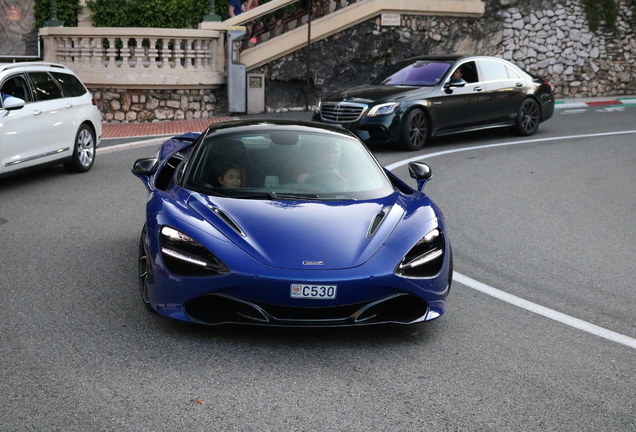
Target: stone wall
x,y
556,43
120,105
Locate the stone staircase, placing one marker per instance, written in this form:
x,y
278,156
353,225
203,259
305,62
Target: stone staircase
x,y
280,27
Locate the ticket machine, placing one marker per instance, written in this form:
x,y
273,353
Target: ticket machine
x,y
236,75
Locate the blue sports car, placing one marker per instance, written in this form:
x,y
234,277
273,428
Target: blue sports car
x,y
286,223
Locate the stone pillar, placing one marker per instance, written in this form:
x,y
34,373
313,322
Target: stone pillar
x,y
85,16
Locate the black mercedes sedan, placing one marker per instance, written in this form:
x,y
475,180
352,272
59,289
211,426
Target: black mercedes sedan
x,y
430,96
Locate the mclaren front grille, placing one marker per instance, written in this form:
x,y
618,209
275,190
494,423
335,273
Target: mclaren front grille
x,y
216,309
341,112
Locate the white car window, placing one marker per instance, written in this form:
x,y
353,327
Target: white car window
x,y
493,71
45,86
15,86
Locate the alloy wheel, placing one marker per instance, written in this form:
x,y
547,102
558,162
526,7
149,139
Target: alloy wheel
x,y
529,117
415,130
85,147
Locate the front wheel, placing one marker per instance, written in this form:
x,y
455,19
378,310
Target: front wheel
x,y
414,130
528,117
144,269
83,151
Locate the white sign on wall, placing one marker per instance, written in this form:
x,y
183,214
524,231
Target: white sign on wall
x,y
391,19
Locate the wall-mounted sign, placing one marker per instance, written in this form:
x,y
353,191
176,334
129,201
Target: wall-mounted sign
x,y
18,35
391,19
255,81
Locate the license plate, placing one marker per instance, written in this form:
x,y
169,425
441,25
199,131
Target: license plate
x,y
318,292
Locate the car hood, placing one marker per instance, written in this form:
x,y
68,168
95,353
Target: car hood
x,y
370,93
303,235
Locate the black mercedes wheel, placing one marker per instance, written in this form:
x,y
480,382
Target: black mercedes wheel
x,y
414,130
528,117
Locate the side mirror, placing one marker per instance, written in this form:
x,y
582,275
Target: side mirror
x,y
11,103
456,82
145,166
420,172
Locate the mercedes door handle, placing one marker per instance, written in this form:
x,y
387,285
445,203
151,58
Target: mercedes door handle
x,y
69,106
478,89
519,84
37,112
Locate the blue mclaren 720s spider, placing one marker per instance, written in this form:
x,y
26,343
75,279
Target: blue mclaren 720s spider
x,y
281,223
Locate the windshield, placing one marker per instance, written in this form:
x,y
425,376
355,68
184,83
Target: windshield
x,y
284,163
414,73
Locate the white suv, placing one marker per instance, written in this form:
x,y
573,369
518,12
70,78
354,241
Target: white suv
x,y
47,116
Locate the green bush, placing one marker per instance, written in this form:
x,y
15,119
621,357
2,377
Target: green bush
x,y
149,13
134,13
601,10
67,11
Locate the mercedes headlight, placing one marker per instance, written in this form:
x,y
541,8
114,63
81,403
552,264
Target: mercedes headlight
x,y
383,109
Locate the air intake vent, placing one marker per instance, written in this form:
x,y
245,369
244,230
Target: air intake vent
x,y
341,112
376,222
228,220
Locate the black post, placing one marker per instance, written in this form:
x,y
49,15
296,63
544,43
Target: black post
x,y
309,13
53,21
212,16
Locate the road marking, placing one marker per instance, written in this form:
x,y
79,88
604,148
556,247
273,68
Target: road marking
x,y
517,301
574,111
529,141
127,146
544,311
611,109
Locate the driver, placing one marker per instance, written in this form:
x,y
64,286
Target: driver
x,y
325,165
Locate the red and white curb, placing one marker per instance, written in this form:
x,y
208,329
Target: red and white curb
x,y
569,104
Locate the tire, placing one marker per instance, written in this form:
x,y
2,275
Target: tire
x,y
144,270
83,151
414,130
528,118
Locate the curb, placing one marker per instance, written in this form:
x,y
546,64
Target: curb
x,y
584,103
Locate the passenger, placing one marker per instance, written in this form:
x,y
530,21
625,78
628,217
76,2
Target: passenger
x,y
231,176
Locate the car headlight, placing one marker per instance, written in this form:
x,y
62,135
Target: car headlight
x,y
186,257
383,109
426,258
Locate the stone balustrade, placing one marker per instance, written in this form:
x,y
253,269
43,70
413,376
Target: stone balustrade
x,y
138,57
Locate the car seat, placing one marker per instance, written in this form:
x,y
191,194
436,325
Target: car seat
x,y
223,152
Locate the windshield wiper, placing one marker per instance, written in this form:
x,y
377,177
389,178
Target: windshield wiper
x,y
270,195
208,191
273,196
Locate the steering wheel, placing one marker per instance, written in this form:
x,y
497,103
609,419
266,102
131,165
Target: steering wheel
x,y
325,175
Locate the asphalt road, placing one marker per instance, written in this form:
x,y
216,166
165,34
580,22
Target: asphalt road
x,y
550,222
